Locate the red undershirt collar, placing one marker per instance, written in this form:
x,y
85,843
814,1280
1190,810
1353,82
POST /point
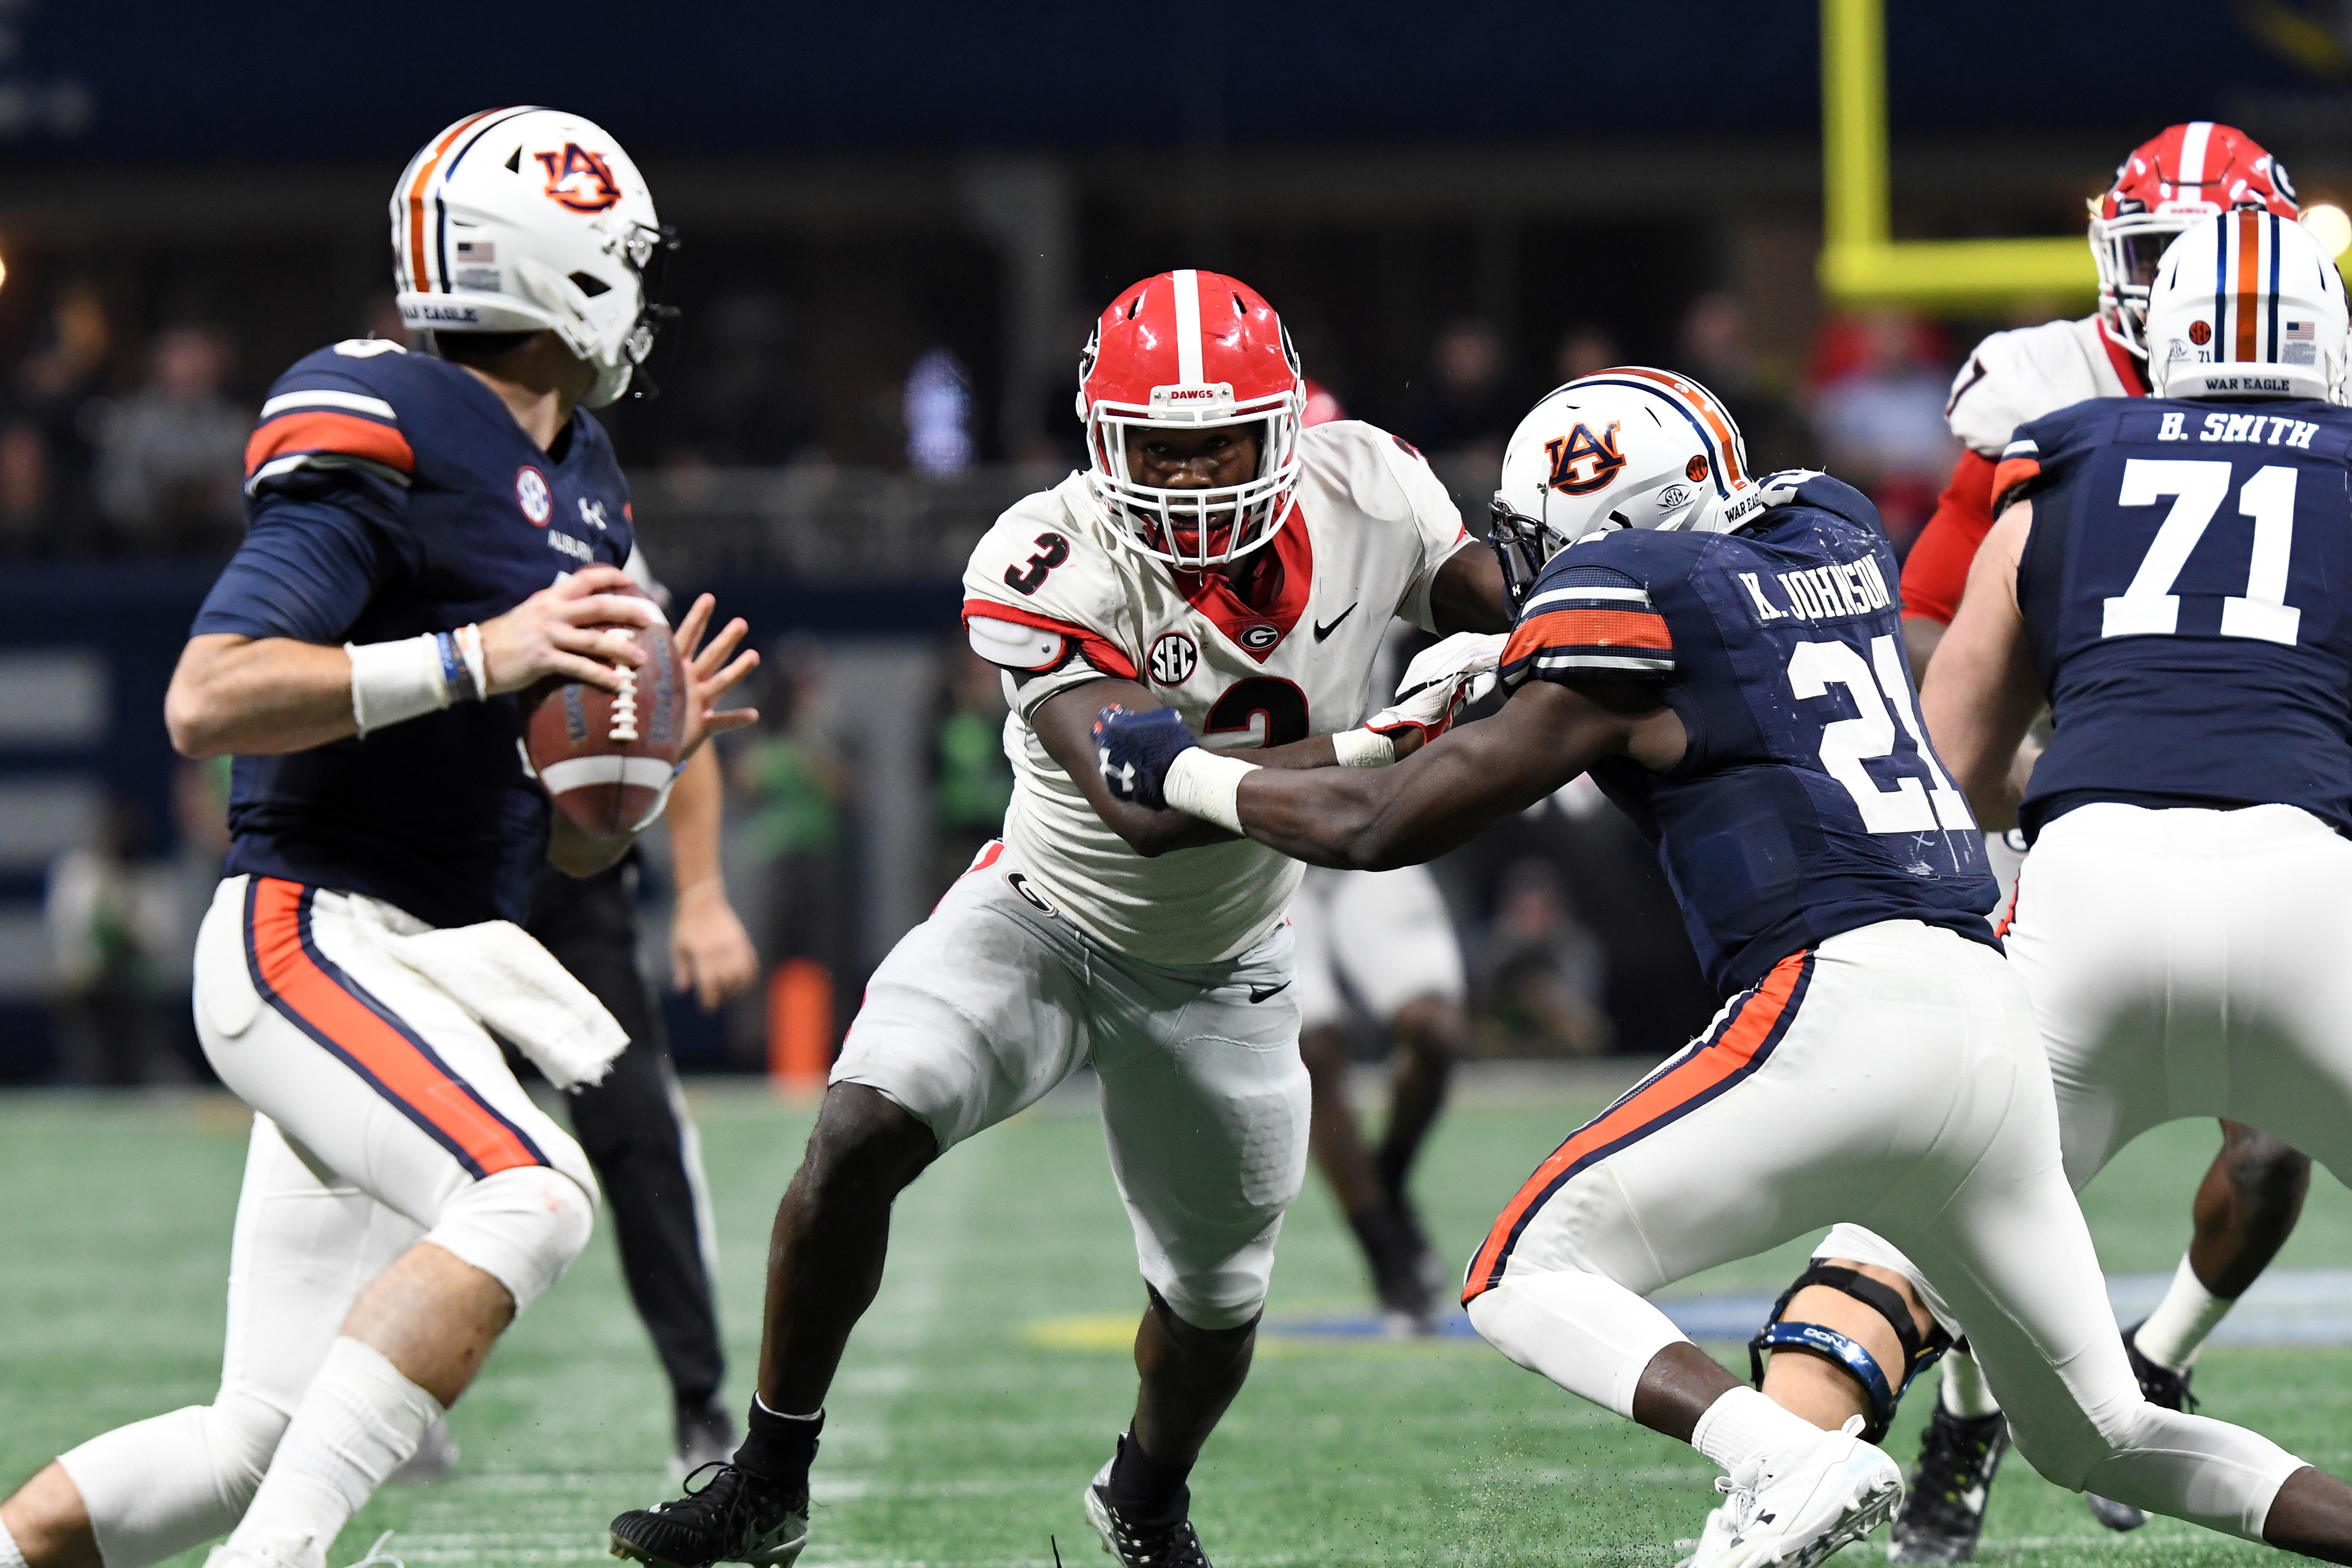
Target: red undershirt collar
x,y
1212,594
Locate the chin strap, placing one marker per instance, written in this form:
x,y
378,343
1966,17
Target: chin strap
x,y
1813,1339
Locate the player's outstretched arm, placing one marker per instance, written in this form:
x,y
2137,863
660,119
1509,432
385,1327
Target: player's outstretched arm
x,y
1461,783
258,696
1982,691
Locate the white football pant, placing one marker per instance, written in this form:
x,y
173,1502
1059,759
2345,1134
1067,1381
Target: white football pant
x,y
1892,1074
1386,932
997,997
387,1116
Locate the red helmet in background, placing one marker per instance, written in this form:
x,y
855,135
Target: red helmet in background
x,y
2190,172
1191,351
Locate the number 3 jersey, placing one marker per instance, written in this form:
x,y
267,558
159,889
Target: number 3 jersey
x,y
1808,802
1055,597
2183,590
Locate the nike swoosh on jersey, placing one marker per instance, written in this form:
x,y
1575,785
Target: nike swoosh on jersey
x,y
1259,994
1323,630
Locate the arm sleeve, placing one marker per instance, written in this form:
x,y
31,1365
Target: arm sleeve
x,y
1589,621
310,563
1937,570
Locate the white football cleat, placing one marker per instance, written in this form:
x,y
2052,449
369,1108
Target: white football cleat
x,y
295,1553
1802,1504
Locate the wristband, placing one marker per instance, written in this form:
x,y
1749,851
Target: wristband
x,y
1203,784
396,681
1363,749
469,648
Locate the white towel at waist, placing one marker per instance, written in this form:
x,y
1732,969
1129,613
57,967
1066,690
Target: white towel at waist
x,y
513,987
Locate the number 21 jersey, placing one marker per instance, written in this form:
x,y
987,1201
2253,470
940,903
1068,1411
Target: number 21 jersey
x,y
1054,597
1808,802
2182,587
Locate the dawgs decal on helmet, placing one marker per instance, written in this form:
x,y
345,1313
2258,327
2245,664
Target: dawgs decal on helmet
x,y
579,178
1580,464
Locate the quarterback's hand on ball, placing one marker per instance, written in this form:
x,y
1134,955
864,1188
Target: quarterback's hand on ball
x,y
566,632
1134,749
1441,681
711,674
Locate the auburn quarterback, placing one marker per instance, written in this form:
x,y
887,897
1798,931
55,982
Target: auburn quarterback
x,y
429,535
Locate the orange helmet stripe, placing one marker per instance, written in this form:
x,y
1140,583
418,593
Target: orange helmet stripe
x,y
426,165
1718,423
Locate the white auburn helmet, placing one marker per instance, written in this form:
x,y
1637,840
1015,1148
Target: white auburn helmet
x,y
1630,448
522,220
2247,305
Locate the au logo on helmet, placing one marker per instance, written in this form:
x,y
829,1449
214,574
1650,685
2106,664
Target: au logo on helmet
x,y
1579,465
579,178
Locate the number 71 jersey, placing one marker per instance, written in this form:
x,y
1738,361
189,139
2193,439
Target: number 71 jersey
x,y
1809,801
2182,587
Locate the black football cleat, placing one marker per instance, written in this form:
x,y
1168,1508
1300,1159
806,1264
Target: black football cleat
x,y
735,1517
1406,1275
2158,1385
1944,1512
1171,1544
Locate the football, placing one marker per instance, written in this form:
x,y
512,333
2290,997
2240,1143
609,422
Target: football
x,y
602,757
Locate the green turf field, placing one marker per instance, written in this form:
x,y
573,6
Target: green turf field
x,y
988,1381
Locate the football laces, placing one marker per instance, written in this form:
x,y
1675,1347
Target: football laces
x,y
625,707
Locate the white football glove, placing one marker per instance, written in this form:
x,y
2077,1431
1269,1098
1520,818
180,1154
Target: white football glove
x,y
1440,683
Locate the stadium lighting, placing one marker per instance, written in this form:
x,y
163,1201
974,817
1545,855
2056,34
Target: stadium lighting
x,y
1860,262
2330,225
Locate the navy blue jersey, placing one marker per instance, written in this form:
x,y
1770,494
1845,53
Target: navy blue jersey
x,y
1809,803
2180,588
390,494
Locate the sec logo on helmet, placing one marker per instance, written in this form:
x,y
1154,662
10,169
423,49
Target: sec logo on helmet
x,y
1579,465
579,178
1173,659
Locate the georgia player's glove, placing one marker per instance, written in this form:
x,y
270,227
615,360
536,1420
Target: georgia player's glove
x,y
1134,751
1443,679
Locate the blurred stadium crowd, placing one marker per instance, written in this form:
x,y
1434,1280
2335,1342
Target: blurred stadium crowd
x,y
121,433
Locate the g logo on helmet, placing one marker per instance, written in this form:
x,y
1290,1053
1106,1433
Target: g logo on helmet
x,y
1173,659
2200,333
1579,465
532,495
579,178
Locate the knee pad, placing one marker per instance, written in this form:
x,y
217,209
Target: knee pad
x,y
522,1227
1812,1339
158,1486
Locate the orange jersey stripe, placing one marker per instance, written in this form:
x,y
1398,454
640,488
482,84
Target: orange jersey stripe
x,y
326,1011
2013,472
1755,1025
322,430
416,276
1587,628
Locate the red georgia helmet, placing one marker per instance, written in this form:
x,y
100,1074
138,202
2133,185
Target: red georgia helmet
x,y
1191,350
2188,172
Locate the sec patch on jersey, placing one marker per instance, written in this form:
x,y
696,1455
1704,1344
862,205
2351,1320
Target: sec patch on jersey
x,y
603,756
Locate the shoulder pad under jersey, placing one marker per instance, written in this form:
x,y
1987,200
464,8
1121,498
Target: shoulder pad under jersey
x,y
340,408
1043,568
2018,376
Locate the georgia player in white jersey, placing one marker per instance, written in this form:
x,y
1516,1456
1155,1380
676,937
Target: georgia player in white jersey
x,y
2248,1200
1216,558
